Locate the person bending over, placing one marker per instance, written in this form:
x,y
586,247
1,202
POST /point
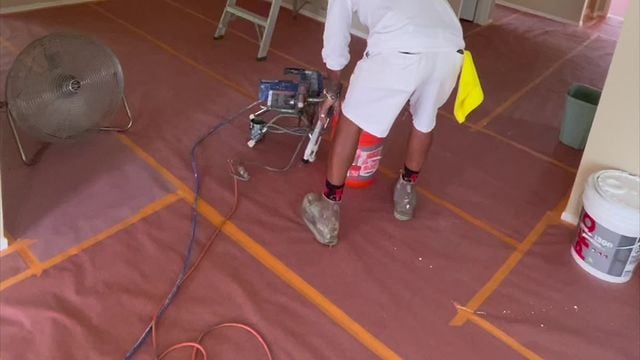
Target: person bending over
x,y
414,54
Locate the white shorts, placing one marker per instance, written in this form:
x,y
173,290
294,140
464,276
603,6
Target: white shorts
x,y
382,83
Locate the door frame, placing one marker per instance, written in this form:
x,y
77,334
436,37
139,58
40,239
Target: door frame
x,y
484,12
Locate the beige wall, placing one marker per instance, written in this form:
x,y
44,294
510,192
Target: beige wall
x,y
11,3
565,10
7,6
3,241
7,3
456,5
614,141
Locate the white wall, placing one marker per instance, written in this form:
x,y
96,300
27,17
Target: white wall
x,y
317,9
564,10
484,12
614,141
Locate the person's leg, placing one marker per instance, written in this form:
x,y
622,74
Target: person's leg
x,y
404,195
343,150
321,213
417,149
442,69
378,89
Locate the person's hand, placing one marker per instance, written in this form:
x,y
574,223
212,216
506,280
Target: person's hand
x,y
327,104
332,93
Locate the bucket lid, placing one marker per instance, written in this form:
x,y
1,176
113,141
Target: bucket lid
x,y
619,187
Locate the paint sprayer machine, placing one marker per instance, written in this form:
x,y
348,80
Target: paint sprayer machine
x,y
298,99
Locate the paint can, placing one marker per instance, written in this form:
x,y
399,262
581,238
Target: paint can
x,y
367,159
607,243
366,162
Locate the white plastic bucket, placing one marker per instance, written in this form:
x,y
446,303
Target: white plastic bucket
x,y
607,244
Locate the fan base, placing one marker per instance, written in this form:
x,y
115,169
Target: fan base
x,y
34,158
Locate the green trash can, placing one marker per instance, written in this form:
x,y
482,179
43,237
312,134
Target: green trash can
x,y
580,109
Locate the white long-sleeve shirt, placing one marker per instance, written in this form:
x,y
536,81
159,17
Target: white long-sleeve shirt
x,y
394,25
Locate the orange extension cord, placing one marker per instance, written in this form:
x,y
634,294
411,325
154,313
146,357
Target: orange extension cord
x,y
196,345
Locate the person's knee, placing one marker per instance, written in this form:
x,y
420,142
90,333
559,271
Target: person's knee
x,y
424,129
347,124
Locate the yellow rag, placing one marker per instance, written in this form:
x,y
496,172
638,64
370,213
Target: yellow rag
x,y
470,94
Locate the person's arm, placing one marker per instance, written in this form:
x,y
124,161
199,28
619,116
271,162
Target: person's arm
x,y
336,38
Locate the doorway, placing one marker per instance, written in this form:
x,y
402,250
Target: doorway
x,y
598,9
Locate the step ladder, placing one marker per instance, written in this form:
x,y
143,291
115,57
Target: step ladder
x,y
265,26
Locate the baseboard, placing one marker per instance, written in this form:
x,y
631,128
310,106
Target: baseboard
x,y
569,218
485,23
40,5
616,17
538,13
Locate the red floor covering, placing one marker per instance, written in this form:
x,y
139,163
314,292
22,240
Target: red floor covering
x,y
103,223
